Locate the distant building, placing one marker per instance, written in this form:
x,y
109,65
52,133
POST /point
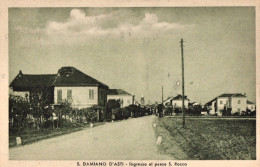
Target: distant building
x,y
193,104
250,105
142,100
236,103
176,101
69,83
211,106
125,98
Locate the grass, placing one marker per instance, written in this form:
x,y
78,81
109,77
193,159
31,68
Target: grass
x,y
208,139
29,136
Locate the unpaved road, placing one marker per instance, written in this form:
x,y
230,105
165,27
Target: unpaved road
x,y
131,139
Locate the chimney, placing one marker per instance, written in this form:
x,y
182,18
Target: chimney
x,y
20,73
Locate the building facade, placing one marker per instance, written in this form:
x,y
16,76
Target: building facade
x,y
176,101
125,98
251,106
235,103
68,84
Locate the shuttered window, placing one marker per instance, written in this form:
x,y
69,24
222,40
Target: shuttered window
x,y
59,95
91,94
69,94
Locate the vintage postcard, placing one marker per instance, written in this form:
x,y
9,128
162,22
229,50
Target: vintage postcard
x,y
129,83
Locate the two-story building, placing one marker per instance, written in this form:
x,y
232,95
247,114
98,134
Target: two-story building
x,y
235,102
69,83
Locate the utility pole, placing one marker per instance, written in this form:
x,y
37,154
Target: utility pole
x,y
183,96
162,94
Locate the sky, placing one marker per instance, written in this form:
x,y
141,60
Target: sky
x,y
138,49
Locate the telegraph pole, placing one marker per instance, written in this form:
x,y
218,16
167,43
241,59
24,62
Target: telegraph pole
x,y
182,61
162,94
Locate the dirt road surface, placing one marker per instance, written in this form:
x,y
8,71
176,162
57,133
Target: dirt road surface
x,y
131,139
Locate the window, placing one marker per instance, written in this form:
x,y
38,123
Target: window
x,y
59,95
238,101
220,102
91,94
69,94
100,98
238,110
252,107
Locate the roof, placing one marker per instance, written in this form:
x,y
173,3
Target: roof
x,y
23,82
67,76
168,98
117,92
194,103
179,97
238,95
226,95
70,76
249,102
231,95
210,102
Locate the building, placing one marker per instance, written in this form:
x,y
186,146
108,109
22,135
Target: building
x,y
125,98
211,106
250,105
176,101
142,100
235,103
69,83
193,104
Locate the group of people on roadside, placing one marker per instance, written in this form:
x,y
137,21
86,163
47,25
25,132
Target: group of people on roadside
x,y
160,110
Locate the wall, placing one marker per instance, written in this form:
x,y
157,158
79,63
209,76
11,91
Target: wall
x,y
167,101
235,106
225,102
102,96
251,107
80,95
127,99
178,103
212,111
20,93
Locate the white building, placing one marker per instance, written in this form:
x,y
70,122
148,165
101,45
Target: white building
x,y
125,98
69,83
235,102
250,105
176,101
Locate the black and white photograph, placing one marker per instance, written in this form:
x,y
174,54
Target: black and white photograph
x,y
168,84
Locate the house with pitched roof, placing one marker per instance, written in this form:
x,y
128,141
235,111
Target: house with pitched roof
x,y
250,105
69,83
125,98
234,102
176,101
211,106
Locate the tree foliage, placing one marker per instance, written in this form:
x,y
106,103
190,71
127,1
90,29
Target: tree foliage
x,y
19,108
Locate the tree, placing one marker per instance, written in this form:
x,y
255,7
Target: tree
x,y
93,113
19,108
63,109
112,105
